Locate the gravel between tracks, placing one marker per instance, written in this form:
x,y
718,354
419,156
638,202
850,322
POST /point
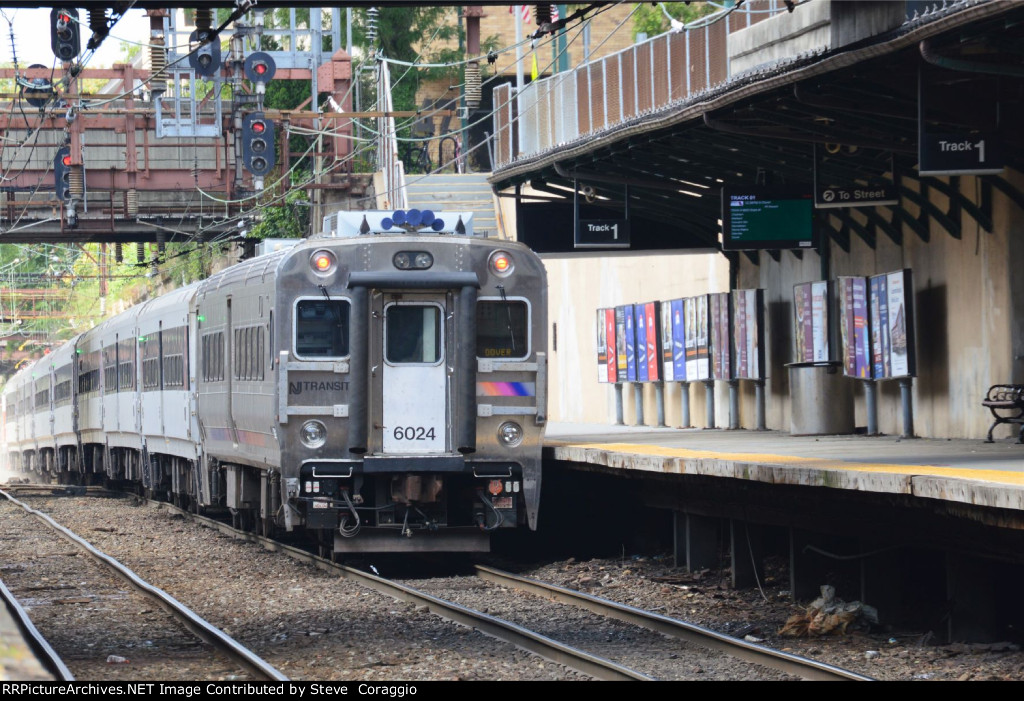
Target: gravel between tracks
x,y
309,624
637,648
88,614
312,625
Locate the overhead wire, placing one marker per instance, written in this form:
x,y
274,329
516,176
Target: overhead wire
x,y
247,212
299,130
481,120
436,110
560,80
523,58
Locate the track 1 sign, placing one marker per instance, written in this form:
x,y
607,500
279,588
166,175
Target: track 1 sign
x,y
959,154
602,233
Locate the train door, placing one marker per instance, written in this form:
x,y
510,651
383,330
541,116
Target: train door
x,y
51,408
414,380
231,364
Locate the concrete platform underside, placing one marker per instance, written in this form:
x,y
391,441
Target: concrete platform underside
x,y
929,532
962,471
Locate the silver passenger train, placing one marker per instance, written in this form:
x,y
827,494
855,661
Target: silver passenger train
x,y
381,386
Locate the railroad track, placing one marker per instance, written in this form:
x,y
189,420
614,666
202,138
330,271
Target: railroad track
x,y
545,646
40,648
580,660
767,657
521,637
221,642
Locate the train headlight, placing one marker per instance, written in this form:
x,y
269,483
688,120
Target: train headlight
x,y
510,434
501,263
412,260
313,434
323,262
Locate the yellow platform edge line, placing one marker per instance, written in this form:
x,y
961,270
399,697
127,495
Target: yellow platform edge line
x,y
983,475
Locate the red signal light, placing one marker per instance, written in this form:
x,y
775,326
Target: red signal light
x,y
258,127
66,160
260,68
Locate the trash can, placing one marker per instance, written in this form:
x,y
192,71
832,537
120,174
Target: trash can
x,y
820,399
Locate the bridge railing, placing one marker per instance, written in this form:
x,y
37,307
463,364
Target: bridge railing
x,y
618,88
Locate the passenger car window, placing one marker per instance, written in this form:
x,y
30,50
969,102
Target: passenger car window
x,y
321,328
413,333
502,329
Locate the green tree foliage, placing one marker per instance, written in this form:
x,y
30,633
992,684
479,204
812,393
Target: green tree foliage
x,y
289,219
649,18
407,33
129,52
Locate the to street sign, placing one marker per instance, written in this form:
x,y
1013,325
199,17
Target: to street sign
x,y
858,196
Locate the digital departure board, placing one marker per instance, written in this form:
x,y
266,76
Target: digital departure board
x,y
756,218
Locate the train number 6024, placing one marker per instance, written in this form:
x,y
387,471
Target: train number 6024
x,y
413,433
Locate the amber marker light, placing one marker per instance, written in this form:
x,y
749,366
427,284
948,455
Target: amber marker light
x,y
501,263
323,262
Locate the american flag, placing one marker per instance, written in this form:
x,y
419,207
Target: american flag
x,y
525,11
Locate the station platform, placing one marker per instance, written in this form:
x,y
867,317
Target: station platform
x,y
955,470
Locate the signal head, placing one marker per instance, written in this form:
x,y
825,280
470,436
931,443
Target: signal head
x,y
257,144
205,59
260,67
64,37
62,173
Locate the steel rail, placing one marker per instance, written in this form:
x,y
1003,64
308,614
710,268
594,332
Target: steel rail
x,y
46,655
54,490
525,639
750,652
597,667
207,632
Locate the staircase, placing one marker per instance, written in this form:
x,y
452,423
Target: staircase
x,y
451,192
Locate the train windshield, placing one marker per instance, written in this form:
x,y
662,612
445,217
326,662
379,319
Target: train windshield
x,y
413,333
321,328
502,329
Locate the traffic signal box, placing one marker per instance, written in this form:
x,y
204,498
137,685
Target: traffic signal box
x,y
258,152
64,33
62,173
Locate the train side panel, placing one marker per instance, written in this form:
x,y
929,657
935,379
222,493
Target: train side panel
x,y
63,364
17,418
237,389
89,401
168,409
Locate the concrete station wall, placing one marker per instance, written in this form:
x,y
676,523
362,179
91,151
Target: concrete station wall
x,y
969,321
577,287
969,330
